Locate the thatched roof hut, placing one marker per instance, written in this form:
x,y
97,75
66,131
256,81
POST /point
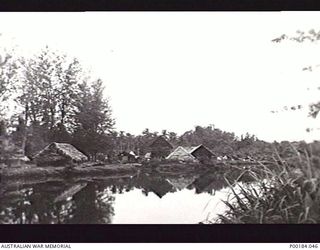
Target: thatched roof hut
x,y
128,157
191,154
160,147
59,154
181,154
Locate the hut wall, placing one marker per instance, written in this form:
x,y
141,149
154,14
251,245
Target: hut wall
x,y
202,153
51,157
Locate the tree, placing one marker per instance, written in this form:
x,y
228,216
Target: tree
x,y
39,89
69,78
48,87
173,138
70,75
5,60
300,37
220,142
92,119
49,84
8,78
3,127
58,103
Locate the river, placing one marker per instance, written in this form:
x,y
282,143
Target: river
x,y
147,198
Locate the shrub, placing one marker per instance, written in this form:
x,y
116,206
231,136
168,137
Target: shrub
x,y
288,191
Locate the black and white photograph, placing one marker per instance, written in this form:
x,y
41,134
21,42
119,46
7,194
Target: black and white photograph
x,y
160,118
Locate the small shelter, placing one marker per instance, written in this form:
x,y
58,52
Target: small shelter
x,y
198,153
147,156
128,157
59,154
160,147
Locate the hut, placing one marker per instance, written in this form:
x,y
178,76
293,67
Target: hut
x,y
181,154
198,153
128,157
58,154
160,147
147,156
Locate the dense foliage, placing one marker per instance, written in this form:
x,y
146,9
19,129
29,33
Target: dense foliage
x,y
286,191
57,101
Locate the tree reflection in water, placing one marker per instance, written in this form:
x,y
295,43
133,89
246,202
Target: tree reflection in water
x,y
36,205
30,205
93,204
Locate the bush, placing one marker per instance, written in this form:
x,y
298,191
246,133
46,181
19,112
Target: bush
x,y
287,191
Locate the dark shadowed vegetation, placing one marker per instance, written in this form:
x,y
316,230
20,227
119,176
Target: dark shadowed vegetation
x,y
285,192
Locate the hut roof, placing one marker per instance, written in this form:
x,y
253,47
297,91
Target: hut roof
x,y
192,149
147,155
64,149
181,153
186,152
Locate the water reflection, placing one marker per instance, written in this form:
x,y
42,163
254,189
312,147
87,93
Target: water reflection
x,y
143,198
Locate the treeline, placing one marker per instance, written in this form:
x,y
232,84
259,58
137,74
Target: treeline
x,y
56,100
220,142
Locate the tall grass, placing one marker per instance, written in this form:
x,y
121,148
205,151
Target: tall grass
x,y
287,191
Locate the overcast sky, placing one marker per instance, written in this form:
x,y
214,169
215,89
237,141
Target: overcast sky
x,y
175,70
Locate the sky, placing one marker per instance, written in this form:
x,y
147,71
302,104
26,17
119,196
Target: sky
x,y
176,70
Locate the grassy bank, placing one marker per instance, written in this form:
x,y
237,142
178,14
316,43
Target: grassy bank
x,y
41,173
286,191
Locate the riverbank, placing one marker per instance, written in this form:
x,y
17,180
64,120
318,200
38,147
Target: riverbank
x,y
88,170
91,169
36,172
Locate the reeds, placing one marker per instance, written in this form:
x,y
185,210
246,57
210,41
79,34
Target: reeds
x,y
286,191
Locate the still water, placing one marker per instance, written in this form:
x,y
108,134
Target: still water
x,y
141,199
